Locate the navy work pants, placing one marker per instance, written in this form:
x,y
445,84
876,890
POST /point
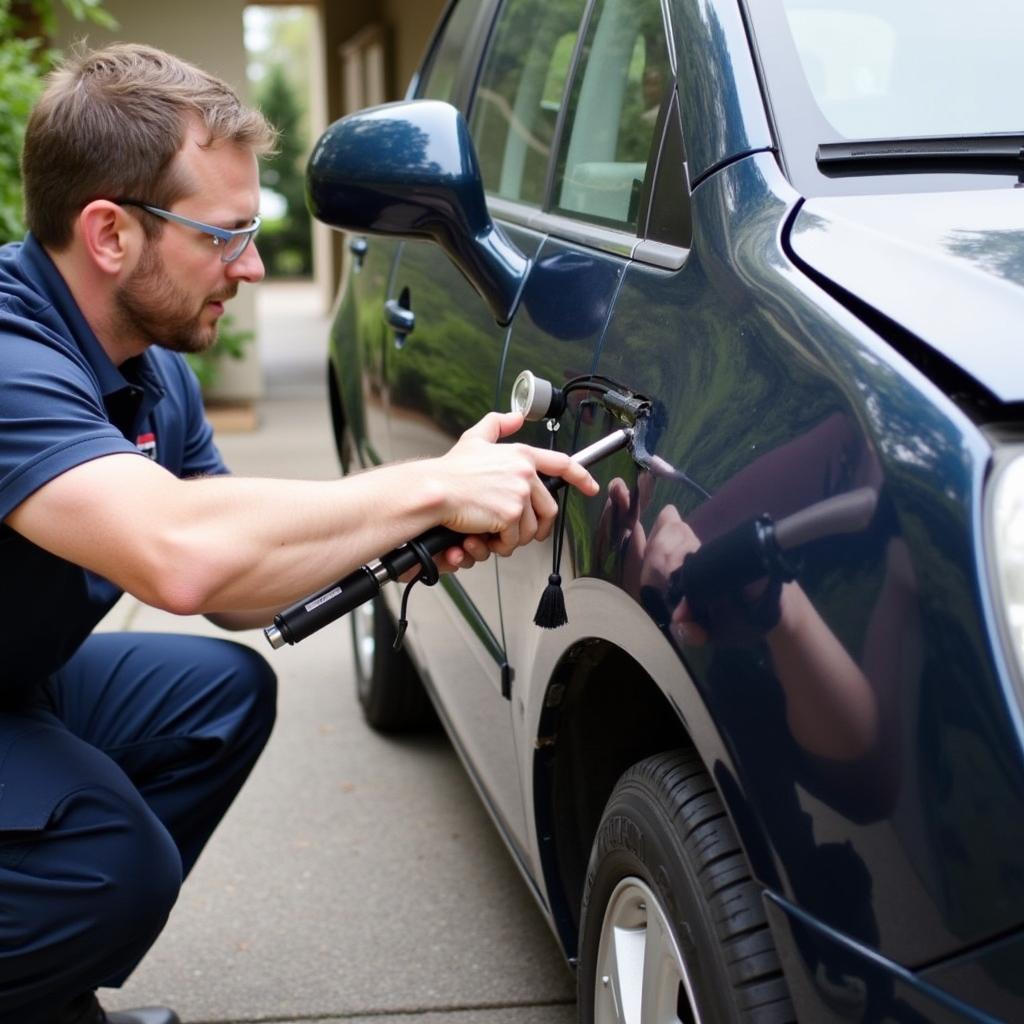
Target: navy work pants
x,y
112,778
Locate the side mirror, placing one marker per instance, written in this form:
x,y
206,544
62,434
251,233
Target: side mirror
x,y
409,170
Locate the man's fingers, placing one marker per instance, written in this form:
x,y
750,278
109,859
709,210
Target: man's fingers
x,y
558,464
528,526
476,548
685,629
505,542
544,506
495,425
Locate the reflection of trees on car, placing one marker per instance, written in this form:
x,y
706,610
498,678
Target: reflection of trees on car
x,y
437,374
999,251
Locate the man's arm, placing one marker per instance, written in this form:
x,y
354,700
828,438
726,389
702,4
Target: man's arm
x,y
222,544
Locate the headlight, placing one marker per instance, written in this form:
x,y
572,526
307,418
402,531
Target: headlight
x,y
1007,525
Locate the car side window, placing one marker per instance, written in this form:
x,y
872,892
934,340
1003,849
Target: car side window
x,y
613,112
520,95
442,74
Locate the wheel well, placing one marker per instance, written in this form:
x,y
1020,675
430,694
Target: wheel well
x,y
603,713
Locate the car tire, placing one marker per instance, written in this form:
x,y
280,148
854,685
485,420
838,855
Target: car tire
x,y
388,686
667,880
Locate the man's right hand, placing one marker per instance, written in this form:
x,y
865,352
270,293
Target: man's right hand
x,y
495,491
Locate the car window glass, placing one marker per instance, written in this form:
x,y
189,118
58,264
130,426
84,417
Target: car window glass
x,y
520,95
440,78
911,68
613,113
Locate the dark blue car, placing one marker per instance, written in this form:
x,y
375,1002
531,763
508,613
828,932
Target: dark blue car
x,y
771,768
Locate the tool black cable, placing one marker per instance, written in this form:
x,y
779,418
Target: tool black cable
x,y
551,611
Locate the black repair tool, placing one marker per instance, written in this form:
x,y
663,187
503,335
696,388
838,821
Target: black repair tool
x,y
536,399
314,612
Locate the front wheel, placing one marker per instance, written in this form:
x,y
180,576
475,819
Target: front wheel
x,y
389,688
672,926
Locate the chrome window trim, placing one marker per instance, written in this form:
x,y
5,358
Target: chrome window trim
x,y
660,254
594,236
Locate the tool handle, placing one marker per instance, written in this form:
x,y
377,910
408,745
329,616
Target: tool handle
x,y
757,548
305,617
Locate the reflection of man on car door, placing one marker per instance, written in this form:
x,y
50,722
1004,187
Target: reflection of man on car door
x,y
819,717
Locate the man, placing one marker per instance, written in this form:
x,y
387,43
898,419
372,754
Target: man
x,y
120,753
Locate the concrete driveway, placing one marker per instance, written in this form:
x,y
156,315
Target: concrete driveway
x,y
356,878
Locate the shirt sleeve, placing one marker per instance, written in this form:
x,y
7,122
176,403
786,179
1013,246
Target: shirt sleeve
x,y
51,413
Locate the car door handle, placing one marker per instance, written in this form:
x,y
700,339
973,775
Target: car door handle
x,y
400,318
358,247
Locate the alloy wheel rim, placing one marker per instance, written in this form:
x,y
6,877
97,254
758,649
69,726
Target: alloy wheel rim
x,y
641,977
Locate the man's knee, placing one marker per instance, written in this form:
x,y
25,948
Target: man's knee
x,y
129,863
250,685
86,896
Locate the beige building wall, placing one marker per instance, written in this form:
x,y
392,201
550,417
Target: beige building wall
x,y
416,21
208,33
355,33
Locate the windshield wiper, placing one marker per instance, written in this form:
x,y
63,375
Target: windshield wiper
x,y
984,154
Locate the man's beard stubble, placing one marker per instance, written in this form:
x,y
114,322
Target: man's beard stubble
x,y
151,307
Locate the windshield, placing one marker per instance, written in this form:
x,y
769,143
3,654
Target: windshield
x,y
867,69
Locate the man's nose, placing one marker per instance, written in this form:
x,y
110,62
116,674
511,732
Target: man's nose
x,y
248,267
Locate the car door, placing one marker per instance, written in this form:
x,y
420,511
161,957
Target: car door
x,y
596,215
443,368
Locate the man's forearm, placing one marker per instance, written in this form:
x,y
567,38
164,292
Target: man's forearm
x,y
223,543
220,544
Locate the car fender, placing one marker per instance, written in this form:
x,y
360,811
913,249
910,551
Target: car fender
x,y
600,610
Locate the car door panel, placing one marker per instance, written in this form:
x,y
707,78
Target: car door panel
x,y
358,349
441,379
556,335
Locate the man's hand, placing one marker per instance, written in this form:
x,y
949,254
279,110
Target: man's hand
x,y
495,492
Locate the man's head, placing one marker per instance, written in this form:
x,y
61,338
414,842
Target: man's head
x,y
110,124
134,163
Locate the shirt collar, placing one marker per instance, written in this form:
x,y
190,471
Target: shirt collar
x,y
112,380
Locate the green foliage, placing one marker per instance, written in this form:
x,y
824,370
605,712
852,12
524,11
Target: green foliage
x,y
19,86
279,41
24,59
285,242
231,344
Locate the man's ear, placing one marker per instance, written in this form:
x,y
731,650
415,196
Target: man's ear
x,y
110,236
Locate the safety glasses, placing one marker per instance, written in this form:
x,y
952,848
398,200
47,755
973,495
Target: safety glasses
x,y
232,242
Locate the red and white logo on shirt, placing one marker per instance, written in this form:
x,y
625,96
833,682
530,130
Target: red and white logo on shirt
x,y
146,443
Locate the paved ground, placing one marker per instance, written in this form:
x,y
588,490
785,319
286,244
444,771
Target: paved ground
x,y
356,879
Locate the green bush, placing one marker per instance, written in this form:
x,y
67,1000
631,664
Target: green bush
x,y
25,57
285,243
231,344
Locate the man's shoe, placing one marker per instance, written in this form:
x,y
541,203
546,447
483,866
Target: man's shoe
x,y
146,1015
87,1010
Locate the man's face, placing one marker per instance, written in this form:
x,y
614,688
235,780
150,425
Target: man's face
x,y
154,306
175,294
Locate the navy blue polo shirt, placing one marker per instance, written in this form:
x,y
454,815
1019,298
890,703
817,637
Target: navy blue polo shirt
x,y
62,403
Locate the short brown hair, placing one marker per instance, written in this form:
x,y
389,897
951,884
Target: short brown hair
x,y
109,124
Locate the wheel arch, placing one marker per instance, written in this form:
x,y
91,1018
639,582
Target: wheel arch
x,y
608,693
